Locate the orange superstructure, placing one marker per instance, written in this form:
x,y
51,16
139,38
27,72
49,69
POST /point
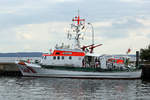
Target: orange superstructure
x,y
65,53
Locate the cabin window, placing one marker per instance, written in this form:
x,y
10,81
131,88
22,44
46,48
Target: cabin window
x,y
58,57
44,57
54,57
62,57
57,53
70,57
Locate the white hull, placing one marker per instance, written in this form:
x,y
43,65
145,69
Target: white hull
x,y
37,71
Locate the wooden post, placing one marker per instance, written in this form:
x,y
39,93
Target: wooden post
x,y
145,71
137,59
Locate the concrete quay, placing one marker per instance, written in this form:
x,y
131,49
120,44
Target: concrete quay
x,y
8,66
9,69
145,71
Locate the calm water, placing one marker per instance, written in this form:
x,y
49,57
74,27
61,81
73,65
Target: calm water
x,y
12,88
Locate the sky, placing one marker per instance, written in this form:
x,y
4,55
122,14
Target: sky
x,y
38,25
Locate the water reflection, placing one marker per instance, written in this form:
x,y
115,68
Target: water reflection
x,y
12,88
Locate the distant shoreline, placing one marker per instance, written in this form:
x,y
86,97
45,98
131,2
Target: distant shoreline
x,y
22,54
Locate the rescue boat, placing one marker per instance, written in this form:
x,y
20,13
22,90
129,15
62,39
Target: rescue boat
x,y
78,61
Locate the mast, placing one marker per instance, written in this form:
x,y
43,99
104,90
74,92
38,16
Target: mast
x,y
77,28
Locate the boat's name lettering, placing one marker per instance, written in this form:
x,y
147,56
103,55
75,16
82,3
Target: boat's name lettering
x,y
67,53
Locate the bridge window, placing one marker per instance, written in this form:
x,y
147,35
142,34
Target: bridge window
x,y
54,57
57,53
70,57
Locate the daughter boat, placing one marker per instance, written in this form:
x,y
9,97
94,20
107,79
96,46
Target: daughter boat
x,y
78,61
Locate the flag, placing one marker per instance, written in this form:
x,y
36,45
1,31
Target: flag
x,y
129,50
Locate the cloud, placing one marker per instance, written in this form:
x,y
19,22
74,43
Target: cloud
x,y
39,37
127,23
145,22
114,29
102,24
33,37
22,12
39,25
148,35
143,30
133,1
114,34
65,0
26,36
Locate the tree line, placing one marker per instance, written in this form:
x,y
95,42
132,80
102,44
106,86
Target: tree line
x,y
145,54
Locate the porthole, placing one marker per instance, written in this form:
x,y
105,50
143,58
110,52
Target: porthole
x,y
54,57
58,57
70,57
